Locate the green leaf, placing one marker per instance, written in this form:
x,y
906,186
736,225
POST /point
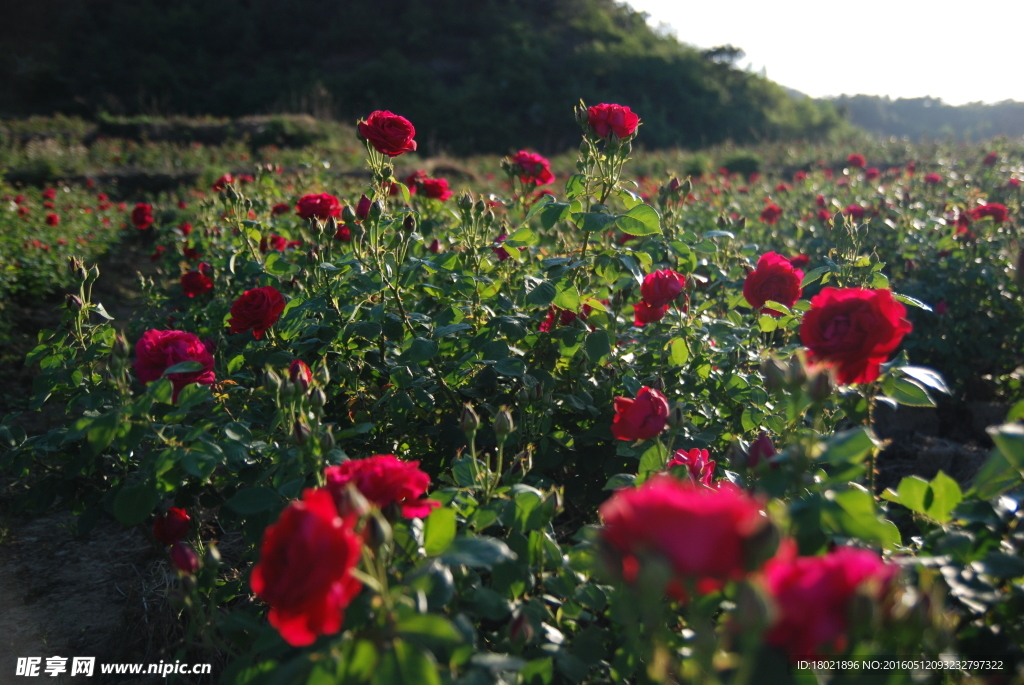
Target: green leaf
x,y
575,186
254,500
439,531
620,480
1016,412
429,630
996,476
416,666
539,205
850,446
906,391
913,493
567,297
540,293
598,345
420,351
946,495
858,517
912,301
134,503
511,366
1009,440
277,265
552,213
478,551
767,323
184,367
521,238
639,221
678,353
593,222
814,275
930,378
654,459
101,432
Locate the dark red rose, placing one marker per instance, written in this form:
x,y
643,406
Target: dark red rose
x,y
532,168
184,558
222,182
606,119
853,330
800,177
50,194
813,596
322,206
142,216
644,313
413,180
279,209
172,526
700,468
771,214
344,234
762,449
384,479
191,253
662,287
872,173
256,310
52,219
363,208
299,373
995,211
158,351
820,200
990,159
388,133
196,283
640,418
436,188
776,279
158,252
435,246
500,251
800,261
304,572
705,534
932,179
856,211
185,228
856,160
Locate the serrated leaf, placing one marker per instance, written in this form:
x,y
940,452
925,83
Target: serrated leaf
x,y
254,500
814,276
912,493
439,531
134,503
567,297
907,391
183,367
554,212
930,378
598,345
945,496
575,186
678,353
912,301
640,221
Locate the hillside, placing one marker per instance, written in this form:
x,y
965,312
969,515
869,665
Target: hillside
x,y
920,118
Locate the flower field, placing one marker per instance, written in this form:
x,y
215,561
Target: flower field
x,y
609,417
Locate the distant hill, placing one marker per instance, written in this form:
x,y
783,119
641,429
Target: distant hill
x,y
919,118
482,76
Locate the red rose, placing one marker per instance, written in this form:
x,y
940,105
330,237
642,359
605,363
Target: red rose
x,y
413,180
222,182
363,208
813,595
184,558
384,479
640,418
532,168
344,234
932,179
800,261
299,373
662,287
304,572
279,209
158,351
191,253
800,177
49,193
700,468
760,450
771,214
435,246
997,212
256,310
704,533
644,313
389,133
990,159
436,188
871,174
500,251
776,279
172,526
856,160
853,330
322,207
277,243
52,219
158,252
606,119
185,228
142,216
856,211
196,283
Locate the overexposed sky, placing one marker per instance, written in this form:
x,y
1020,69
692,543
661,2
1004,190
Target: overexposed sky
x,y
959,51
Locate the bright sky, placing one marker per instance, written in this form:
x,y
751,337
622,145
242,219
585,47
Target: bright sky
x,y
958,51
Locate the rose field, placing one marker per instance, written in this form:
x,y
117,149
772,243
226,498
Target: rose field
x,y
324,410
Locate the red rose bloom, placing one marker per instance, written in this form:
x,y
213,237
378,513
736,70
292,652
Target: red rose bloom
x,y
871,174
158,351
760,450
49,193
856,160
997,212
644,313
222,182
185,228
662,287
990,159
277,243
771,214
606,119
389,133
533,168
256,310
776,279
436,188
932,179
299,373
856,211
853,330
641,418
384,479
344,234
172,526
184,558
800,177
813,595
196,282
158,252
500,251
52,219
704,533
322,206
699,466
800,261
142,216
279,209
304,572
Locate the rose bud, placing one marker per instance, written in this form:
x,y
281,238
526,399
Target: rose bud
x,y
184,558
760,450
299,373
271,381
469,422
322,374
363,208
171,527
409,224
503,425
350,501
377,532
75,303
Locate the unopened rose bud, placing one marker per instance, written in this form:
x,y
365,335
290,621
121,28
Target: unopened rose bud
x,y
350,501
376,210
347,215
83,274
820,387
796,373
676,417
75,303
288,389
363,208
213,558
302,431
312,258
322,373
94,273
480,207
469,422
377,532
741,223
465,202
184,558
299,373
318,398
327,442
774,373
760,450
74,264
121,349
503,425
409,224
271,381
